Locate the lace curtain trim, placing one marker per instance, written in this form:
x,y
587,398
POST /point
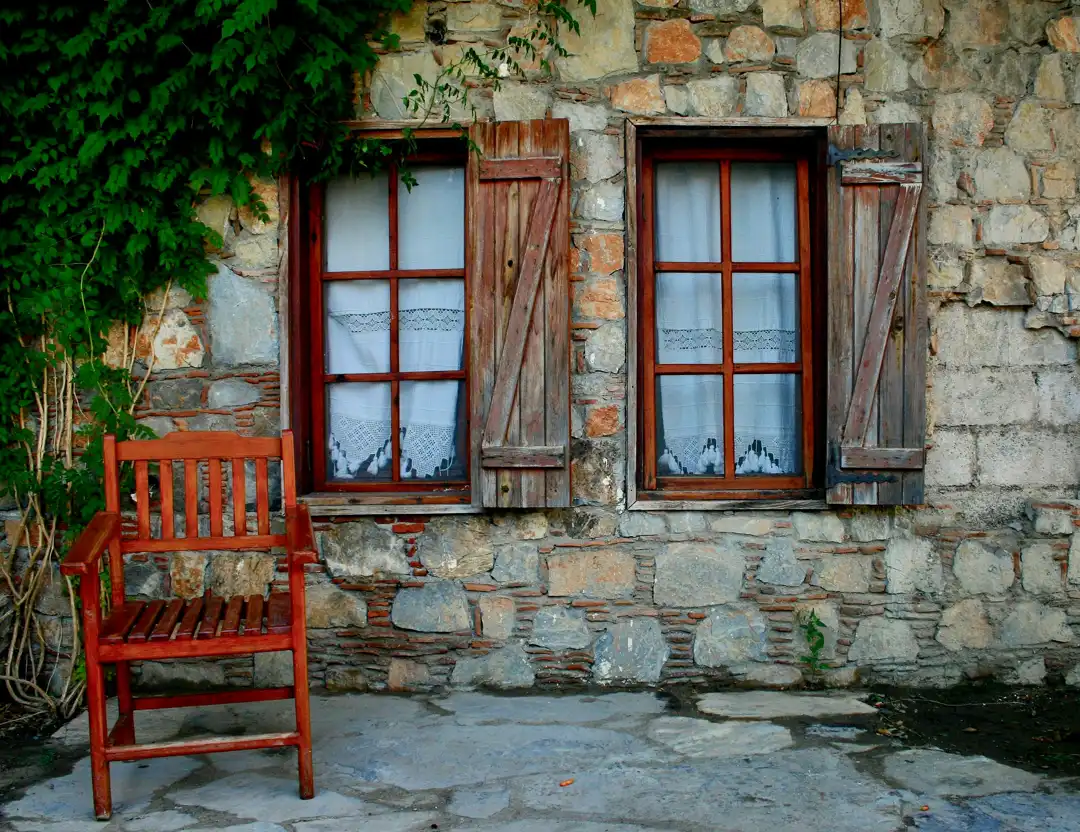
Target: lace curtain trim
x,y
781,340
704,455
426,320
361,448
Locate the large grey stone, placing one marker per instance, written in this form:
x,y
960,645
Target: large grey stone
x,y
1040,572
173,674
363,550
765,94
965,625
816,56
884,68
1030,128
507,667
843,573
520,102
822,525
457,547
579,709
243,320
516,563
983,337
273,670
779,565
1007,225
595,156
928,771
605,349
880,639
911,19
560,628
998,282
232,392
603,201
699,738
1030,622
633,650
240,574
497,616
613,27
715,97
731,636
774,705
983,397
962,118
1000,174
912,565
581,116
698,575
436,607
329,606
255,795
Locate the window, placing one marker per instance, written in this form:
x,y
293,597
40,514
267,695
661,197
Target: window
x,y
429,328
727,319
388,302
780,328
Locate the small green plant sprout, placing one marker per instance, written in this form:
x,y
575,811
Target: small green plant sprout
x,y
813,632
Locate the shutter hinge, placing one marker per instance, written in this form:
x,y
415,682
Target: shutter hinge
x,y
835,475
836,156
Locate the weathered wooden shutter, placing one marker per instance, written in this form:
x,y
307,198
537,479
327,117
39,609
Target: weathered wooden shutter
x,y
518,261
877,315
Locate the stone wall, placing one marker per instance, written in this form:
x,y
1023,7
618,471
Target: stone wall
x,y
978,582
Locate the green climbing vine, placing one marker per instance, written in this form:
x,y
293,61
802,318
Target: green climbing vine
x,y
120,116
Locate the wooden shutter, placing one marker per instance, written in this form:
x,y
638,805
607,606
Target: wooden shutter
x,y
877,315
518,261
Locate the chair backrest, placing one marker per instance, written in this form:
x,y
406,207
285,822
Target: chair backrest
x,y
223,462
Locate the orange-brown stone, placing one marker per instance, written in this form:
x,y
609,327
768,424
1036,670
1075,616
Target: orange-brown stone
x,y
602,421
826,14
600,299
749,43
817,99
638,95
605,252
1063,34
671,42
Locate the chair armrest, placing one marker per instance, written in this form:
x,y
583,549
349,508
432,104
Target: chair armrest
x,y
300,536
84,554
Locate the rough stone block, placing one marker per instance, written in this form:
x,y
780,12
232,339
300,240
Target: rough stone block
x,y
982,570
1030,128
507,667
671,42
816,525
1050,520
641,524
405,675
950,461
197,675
581,116
1073,574
731,636
962,118
596,466
516,563
240,574
998,282
779,565
885,69
633,650
232,392
172,341
186,573
330,607
964,625
473,16
1040,574
1058,397
1027,457
362,550
1063,34
880,639
912,565
594,573
436,607
983,397
560,628
952,225
765,95
603,201
1029,672
612,26
715,97
829,615
457,547
496,616
911,19
786,14
143,580
243,321
520,102
1030,622
869,524
817,98
272,670
749,43
741,523
1008,225
816,56
638,95
984,337
595,156
605,349
341,679
842,573
698,575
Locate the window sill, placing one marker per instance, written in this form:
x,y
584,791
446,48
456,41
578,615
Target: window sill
x,y
656,501
339,504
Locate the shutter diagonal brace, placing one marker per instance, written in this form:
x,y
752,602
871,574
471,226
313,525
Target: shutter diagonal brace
x,y
868,372
509,366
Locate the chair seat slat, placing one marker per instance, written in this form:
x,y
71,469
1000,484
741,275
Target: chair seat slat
x,y
277,613
230,624
253,621
167,622
141,631
120,621
211,616
190,620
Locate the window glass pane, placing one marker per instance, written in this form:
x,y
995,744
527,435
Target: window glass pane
x,y
358,326
768,424
763,227
359,416
432,430
687,215
689,318
431,219
357,224
431,324
690,425
765,318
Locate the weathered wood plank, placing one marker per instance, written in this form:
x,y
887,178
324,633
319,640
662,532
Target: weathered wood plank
x,y
165,625
503,456
557,321
882,458
881,173
916,331
867,264
535,167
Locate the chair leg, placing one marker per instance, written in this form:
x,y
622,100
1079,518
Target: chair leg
x,y
99,766
303,723
126,703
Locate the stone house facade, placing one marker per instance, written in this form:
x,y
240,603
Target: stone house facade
x,y
970,569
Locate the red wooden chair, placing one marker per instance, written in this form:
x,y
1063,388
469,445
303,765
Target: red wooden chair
x,y
206,626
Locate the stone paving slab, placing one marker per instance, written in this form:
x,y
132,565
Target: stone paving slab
x,y
617,762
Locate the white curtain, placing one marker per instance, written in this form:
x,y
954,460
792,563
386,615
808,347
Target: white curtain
x,y
431,327
689,319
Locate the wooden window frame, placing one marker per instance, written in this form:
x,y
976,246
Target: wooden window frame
x,y
307,377
804,141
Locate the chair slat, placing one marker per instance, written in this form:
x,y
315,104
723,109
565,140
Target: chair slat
x,y
199,445
253,621
165,625
142,498
211,615
168,510
145,623
191,497
239,498
262,495
119,622
190,620
277,613
230,624
216,510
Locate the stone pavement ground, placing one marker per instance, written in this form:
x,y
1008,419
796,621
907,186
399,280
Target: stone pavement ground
x,y
614,762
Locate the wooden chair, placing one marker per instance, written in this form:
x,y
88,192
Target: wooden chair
x,y
205,626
